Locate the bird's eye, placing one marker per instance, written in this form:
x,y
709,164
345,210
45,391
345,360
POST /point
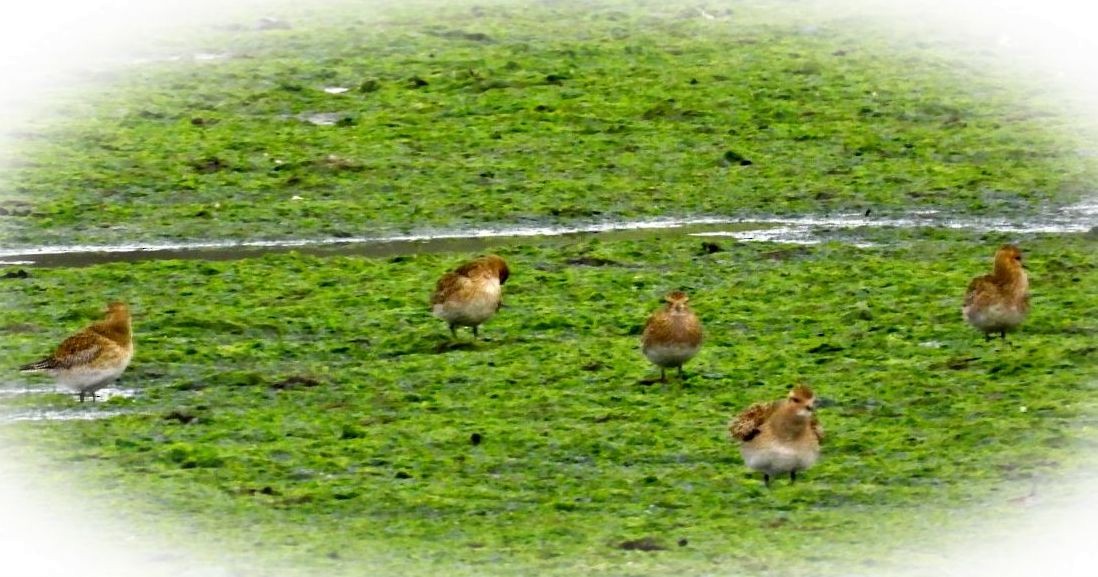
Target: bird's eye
x,y
794,399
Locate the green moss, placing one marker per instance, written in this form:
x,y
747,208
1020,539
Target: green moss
x,y
502,112
369,452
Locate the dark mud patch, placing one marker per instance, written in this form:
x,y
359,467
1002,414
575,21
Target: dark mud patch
x,y
462,35
295,382
955,363
592,261
451,346
642,544
710,248
182,417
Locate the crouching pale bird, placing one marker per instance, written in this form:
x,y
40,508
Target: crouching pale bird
x,y
780,437
999,302
672,335
94,357
471,294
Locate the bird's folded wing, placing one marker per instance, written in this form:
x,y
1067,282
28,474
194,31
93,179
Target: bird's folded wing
x,y
655,325
473,268
79,349
746,425
979,286
450,284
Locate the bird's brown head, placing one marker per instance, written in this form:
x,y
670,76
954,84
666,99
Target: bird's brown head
x,y
801,400
1008,260
490,265
498,265
117,323
677,301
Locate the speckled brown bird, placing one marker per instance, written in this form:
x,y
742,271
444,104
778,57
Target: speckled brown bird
x,y
471,294
781,436
999,302
94,357
672,335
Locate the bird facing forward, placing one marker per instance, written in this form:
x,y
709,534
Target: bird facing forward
x,y
781,436
999,302
471,294
94,357
672,335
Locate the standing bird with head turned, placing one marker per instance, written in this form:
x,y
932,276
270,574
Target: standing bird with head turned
x,y
471,293
94,357
672,335
999,302
780,437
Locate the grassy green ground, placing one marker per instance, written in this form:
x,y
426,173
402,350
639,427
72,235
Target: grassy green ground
x,y
501,112
307,410
372,452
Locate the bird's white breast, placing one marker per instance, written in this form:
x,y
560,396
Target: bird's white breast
x,y
774,458
670,355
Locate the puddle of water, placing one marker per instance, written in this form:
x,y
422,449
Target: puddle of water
x,y
88,411
1070,219
100,396
793,230
323,118
28,390
57,415
802,235
806,229
782,234
379,246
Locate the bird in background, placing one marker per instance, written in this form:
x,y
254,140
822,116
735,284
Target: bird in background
x,y
672,335
470,294
999,302
94,357
780,437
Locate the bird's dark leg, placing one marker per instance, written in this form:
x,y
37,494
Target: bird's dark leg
x,y
81,395
680,373
987,337
766,480
793,476
663,375
1002,335
453,330
474,332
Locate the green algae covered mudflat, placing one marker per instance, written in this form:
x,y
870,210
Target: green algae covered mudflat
x,y
462,114
307,414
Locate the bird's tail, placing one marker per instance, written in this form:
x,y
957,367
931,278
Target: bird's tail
x,y
39,365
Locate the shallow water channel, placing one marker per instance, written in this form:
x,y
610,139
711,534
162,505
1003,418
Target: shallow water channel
x,y
808,229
